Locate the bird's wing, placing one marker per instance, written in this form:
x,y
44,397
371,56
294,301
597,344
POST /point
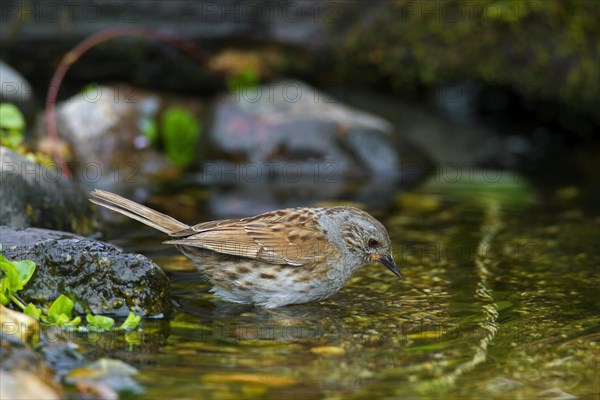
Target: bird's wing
x,y
290,236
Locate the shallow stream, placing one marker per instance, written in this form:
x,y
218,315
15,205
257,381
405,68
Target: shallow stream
x,y
500,300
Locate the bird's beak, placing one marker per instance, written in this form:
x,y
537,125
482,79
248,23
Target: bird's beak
x,y
388,262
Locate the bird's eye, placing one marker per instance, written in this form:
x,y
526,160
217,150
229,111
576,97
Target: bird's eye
x,y
372,243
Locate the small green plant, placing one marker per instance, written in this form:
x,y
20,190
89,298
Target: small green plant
x,y
91,90
18,273
246,78
180,132
99,322
60,311
12,135
12,126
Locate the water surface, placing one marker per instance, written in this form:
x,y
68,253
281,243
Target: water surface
x,y
500,300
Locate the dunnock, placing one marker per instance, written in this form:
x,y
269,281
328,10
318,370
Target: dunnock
x,y
288,256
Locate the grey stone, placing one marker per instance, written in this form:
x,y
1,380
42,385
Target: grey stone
x,y
35,195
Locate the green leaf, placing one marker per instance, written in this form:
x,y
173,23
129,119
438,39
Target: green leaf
x,y
17,274
11,117
5,286
12,125
62,320
11,139
180,131
246,78
58,319
5,291
131,322
91,89
61,306
32,311
59,312
74,322
99,322
4,300
14,280
25,268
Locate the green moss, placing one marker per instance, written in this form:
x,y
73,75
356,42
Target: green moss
x,y
544,49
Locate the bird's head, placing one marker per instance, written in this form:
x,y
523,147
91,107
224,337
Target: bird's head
x,y
367,238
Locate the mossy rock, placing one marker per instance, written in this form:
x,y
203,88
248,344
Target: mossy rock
x,y
544,49
99,277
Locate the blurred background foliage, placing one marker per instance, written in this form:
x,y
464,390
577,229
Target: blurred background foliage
x,y
541,49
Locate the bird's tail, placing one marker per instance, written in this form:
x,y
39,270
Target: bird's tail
x,y
141,213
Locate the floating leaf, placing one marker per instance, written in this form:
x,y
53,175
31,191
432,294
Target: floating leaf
x,y
74,322
57,319
99,322
131,322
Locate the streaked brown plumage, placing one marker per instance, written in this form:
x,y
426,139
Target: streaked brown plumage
x,y
273,259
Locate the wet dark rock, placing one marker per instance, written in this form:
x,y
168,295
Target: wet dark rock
x,y
100,278
35,195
